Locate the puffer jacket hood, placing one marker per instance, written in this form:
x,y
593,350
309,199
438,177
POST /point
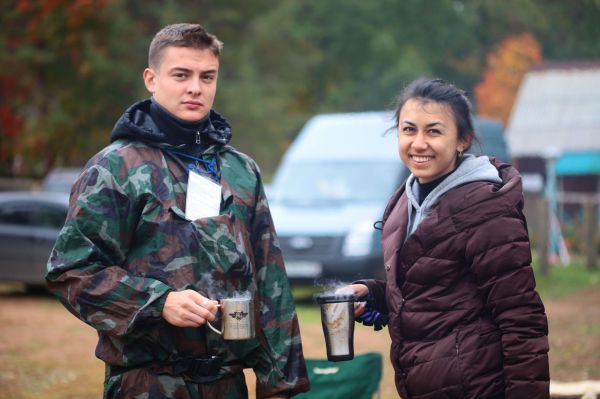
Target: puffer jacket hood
x,y
137,124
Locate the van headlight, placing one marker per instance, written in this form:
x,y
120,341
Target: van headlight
x,y
359,240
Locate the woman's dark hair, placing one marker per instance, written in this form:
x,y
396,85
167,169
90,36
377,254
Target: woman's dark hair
x,y
440,91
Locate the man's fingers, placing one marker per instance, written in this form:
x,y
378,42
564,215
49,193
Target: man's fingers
x,y
187,319
193,320
212,307
204,302
188,309
194,311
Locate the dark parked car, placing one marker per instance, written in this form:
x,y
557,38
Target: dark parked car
x,y
29,225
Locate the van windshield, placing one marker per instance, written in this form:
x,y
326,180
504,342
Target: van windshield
x,y
337,182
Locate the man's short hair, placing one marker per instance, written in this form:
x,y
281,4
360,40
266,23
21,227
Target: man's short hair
x,y
181,35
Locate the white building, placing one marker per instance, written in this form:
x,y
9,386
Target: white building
x,y
557,113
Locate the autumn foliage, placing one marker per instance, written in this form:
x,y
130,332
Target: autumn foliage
x,y
506,67
68,68
43,44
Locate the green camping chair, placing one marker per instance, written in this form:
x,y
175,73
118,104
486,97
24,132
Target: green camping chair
x,y
357,378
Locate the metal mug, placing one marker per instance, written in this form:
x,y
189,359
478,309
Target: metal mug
x,y
237,319
337,319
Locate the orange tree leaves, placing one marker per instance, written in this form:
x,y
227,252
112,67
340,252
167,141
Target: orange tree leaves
x,y
506,67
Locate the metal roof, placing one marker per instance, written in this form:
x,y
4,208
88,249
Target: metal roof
x,y
557,110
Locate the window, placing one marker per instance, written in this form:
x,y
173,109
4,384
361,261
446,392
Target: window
x,y
48,216
15,214
33,214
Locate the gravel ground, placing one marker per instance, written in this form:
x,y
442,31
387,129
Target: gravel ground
x,y
45,352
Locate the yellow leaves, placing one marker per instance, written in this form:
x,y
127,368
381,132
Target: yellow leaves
x,y
506,67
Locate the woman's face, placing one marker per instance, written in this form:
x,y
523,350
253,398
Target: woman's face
x,y
428,139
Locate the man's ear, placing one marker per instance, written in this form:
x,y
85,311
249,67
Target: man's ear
x,y
150,79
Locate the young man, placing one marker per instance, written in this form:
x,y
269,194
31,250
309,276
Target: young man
x,y
162,223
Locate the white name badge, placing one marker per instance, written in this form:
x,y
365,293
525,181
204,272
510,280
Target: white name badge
x,y
203,199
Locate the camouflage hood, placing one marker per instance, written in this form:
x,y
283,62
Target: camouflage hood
x,y
137,124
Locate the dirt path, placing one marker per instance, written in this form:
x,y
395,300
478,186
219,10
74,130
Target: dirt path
x,y
574,331
45,352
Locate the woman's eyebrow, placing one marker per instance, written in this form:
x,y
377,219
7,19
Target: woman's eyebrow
x,y
428,125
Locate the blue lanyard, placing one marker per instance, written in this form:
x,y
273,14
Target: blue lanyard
x,y
210,166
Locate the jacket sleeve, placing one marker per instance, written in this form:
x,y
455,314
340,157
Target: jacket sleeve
x,y
84,269
279,362
500,256
377,290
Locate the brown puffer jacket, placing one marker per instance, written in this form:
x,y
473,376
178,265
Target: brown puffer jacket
x,y
465,319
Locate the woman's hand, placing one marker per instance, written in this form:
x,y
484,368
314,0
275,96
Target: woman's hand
x,y
360,290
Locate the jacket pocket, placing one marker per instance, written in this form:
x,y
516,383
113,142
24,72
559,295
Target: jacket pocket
x,y
219,246
226,239
479,347
436,368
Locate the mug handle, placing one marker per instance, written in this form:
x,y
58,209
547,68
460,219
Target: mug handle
x,y
211,326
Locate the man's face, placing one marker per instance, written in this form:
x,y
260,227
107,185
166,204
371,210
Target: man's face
x,y
185,82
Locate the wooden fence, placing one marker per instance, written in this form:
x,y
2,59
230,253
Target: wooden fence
x,y
537,213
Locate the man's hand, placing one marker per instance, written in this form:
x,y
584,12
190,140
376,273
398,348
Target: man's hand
x,y
188,309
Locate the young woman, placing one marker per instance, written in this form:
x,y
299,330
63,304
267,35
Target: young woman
x,y
464,316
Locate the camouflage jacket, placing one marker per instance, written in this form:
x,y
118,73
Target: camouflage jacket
x,y
126,243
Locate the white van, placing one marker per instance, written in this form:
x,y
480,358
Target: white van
x,y
331,187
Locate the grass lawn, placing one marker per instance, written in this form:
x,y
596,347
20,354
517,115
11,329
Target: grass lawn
x,y
564,280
